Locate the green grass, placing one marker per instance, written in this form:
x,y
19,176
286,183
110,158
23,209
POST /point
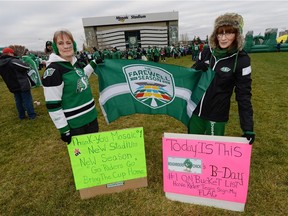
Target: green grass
x,y
36,176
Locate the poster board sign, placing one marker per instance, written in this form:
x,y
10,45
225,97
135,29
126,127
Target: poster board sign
x,y
110,161
206,170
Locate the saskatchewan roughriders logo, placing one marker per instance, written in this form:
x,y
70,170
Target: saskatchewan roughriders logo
x,y
150,85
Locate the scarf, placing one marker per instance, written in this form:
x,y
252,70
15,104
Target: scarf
x,y
221,53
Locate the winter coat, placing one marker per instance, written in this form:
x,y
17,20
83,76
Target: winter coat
x,y
15,73
233,72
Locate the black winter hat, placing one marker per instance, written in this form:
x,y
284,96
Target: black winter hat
x,y
48,43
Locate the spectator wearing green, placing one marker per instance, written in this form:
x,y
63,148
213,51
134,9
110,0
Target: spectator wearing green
x,y
106,54
232,68
67,90
149,54
96,54
156,54
196,50
116,54
167,51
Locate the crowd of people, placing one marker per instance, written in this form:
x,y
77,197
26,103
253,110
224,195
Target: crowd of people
x,y
151,53
68,95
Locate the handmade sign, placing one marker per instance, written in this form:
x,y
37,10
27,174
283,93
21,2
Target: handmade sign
x,y
207,170
107,157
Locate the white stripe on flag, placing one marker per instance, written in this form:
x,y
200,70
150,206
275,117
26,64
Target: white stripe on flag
x,y
112,91
185,94
123,88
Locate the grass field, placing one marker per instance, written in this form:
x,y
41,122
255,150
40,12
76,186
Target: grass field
x,y
36,176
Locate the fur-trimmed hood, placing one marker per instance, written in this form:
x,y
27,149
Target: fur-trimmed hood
x,y
229,19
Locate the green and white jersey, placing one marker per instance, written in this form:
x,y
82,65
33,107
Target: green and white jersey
x,y
68,94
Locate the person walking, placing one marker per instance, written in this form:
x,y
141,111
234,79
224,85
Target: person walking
x,y
15,75
232,73
67,90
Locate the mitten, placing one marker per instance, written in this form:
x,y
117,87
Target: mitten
x,y
249,136
66,137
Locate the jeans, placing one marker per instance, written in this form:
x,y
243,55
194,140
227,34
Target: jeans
x,y
24,102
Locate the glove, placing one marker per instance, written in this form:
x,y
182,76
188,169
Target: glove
x,y
249,136
66,137
99,61
201,66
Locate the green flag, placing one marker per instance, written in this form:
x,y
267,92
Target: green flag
x,y
133,86
33,72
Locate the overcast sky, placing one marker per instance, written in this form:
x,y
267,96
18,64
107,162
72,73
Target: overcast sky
x,y
32,23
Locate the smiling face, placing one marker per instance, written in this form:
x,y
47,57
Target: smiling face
x,y
65,47
64,43
226,35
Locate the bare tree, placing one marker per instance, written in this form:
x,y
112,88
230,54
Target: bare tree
x,y
18,49
184,38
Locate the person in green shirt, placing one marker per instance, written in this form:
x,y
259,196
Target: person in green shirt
x,y
156,54
96,54
149,54
106,54
116,54
67,91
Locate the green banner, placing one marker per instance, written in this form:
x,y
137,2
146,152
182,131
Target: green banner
x,y
133,86
107,157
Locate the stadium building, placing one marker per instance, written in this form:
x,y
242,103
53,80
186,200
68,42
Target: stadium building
x,y
132,31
